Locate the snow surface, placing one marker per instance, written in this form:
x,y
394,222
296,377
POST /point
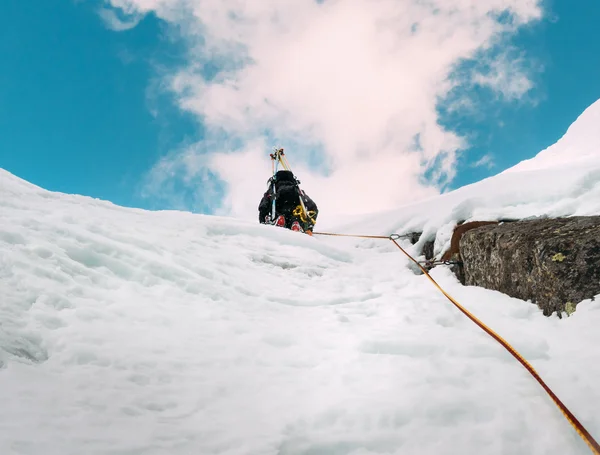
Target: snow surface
x,y
131,332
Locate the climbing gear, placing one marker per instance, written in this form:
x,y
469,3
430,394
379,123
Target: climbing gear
x,y
299,213
430,263
296,227
576,424
280,221
278,157
304,216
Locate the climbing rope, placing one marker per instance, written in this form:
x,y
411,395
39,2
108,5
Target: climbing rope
x,y
579,428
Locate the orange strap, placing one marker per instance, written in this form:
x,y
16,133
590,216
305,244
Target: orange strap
x,y
579,428
386,237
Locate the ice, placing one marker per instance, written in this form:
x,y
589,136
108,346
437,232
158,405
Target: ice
x,y
131,332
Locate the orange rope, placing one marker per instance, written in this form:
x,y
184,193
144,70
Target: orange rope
x,y
386,237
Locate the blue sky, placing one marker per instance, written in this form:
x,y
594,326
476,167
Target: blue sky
x,y
77,100
81,109
567,45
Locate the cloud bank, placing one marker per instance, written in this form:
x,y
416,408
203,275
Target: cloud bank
x,y
349,87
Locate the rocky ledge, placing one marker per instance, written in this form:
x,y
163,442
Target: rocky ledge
x,y
554,263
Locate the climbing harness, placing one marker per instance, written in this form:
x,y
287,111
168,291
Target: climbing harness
x,y
278,157
576,424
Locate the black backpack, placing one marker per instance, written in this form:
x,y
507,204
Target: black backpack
x,y
287,195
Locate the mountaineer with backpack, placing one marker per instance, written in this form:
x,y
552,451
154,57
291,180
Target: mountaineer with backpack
x,y
284,204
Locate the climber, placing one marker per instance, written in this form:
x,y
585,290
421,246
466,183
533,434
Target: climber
x,y
289,211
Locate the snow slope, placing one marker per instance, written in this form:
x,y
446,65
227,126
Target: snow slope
x,y
131,332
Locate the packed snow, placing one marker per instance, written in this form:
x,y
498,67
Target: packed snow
x,y
124,331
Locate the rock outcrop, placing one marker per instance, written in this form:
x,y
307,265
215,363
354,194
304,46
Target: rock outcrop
x,y
453,253
427,249
555,263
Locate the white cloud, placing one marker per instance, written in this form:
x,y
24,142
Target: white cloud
x,y
112,20
355,83
506,74
485,160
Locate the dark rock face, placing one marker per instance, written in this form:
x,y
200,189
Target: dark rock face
x,y
552,262
453,254
414,237
428,249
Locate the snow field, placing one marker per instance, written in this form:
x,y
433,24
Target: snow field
x,y
130,332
